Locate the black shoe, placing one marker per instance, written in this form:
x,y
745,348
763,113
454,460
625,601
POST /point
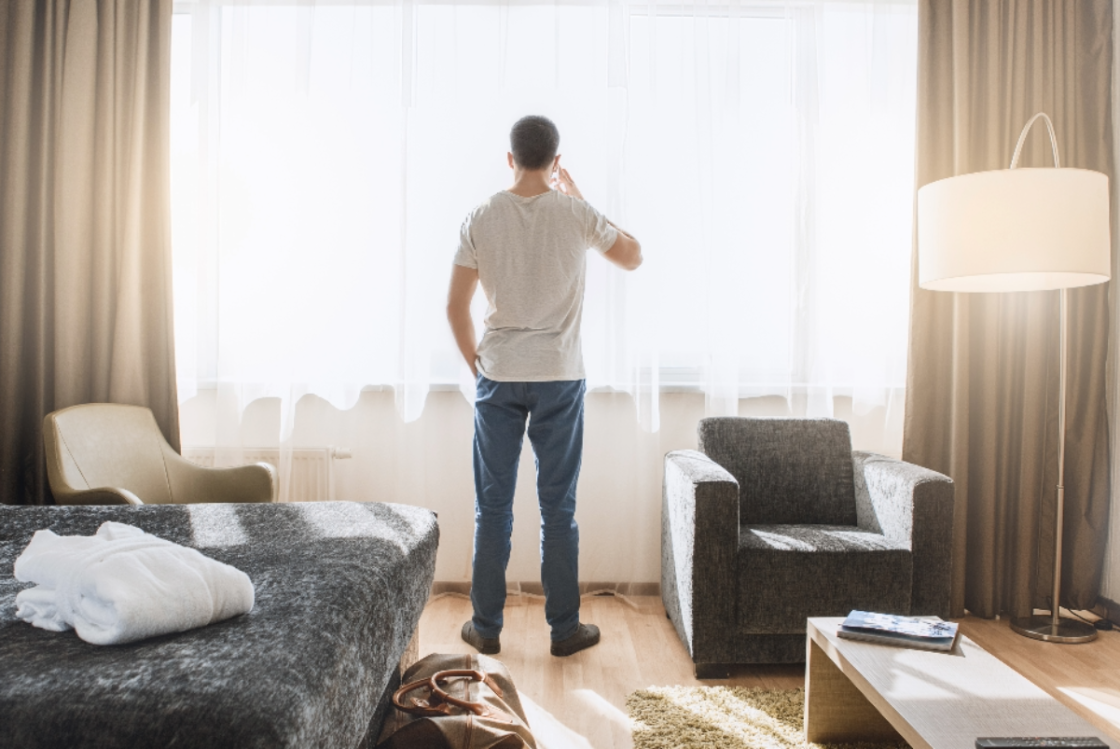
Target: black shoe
x,y
586,636
484,645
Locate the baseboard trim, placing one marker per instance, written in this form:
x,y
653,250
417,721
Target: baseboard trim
x,y
534,588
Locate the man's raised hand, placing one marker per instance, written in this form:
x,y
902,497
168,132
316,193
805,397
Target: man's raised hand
x,y
563,182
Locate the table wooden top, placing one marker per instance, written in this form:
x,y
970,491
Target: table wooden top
x,y
946,700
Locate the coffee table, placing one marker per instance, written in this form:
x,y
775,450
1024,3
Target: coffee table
x,y
860,691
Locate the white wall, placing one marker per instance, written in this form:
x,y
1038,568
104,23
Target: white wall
x,y
428,463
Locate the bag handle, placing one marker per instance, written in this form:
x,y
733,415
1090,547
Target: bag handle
x,y
439,702
473,675
418,706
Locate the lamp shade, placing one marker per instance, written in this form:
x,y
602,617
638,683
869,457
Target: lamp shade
x,y
1014,230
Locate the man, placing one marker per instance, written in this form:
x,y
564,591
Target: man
x,y
527,246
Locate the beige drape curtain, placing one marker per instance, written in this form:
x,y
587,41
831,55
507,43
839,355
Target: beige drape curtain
x,y
85,257
983,368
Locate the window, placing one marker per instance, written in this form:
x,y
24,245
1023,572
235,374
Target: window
x,y
324,157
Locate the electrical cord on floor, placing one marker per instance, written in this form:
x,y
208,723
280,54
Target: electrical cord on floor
x,y
1101,625
516,593
1079,616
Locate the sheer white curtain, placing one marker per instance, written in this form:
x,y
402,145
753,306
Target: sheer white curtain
x,y
767,166
325,155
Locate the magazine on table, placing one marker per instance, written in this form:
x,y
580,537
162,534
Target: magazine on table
x,y
903,631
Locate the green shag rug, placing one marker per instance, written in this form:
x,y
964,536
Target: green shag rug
x,y
723,717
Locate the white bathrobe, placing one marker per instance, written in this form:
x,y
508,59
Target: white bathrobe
x,y
123,584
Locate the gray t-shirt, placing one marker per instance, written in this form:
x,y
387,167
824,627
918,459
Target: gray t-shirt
x,y
531,256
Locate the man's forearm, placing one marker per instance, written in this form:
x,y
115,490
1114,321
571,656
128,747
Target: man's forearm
x,y
464,281
621,230
564,182
462,327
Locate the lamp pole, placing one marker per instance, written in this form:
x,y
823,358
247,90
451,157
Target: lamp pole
x,y
1053,628
1022,230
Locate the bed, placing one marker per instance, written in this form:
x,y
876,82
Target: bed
x,y
340,587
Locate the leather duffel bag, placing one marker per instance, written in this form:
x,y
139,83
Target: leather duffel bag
x,y
456,702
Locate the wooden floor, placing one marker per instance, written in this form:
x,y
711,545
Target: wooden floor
x,y
580,701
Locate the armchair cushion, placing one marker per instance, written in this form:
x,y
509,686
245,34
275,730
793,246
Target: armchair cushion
x,y
787,573
789,470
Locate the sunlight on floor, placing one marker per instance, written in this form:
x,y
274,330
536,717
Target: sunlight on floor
x,y
602,707
549,732
1104,702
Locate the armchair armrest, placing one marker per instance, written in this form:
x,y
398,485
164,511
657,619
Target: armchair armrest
x,y
699,543
251,483
191,483
913,506
105,495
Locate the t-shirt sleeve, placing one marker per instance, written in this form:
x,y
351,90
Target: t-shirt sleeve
x,y
466,255
600,234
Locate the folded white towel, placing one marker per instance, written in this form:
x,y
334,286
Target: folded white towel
x,y
123,584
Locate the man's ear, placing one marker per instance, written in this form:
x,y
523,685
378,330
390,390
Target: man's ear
x,y
555,164
509,158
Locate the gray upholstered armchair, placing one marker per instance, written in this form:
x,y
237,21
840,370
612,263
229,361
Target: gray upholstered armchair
x,y
777,520
112,454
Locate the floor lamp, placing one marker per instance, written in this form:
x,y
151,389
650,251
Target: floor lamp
x,y
1021,230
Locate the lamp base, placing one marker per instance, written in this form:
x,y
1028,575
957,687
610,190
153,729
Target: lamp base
x,y
1068,631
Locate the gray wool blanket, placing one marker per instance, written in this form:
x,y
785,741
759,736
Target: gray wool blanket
x,y
340,587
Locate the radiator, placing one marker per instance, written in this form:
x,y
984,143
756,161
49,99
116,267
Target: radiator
x,y
312,477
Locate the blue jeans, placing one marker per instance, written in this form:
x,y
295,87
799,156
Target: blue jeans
x,y
555,414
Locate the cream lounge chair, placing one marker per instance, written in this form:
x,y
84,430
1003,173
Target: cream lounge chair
x,y
110,454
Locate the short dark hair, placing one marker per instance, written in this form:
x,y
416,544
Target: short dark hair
x,y
534,141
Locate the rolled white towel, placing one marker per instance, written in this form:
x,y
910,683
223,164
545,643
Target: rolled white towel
x,y
123,584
